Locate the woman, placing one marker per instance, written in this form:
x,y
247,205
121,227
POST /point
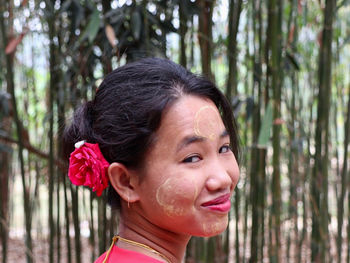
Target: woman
x,y
164,143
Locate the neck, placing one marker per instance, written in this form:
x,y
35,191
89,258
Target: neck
x,y
135,227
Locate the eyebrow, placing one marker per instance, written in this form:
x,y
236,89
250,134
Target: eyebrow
x,y
196,139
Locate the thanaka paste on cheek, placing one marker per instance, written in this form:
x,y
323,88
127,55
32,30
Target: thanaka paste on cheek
x,y
206,122
177,198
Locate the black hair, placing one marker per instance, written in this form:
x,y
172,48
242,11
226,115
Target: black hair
x,y
127,109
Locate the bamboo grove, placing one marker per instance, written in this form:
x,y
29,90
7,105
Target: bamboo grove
x,y
284,65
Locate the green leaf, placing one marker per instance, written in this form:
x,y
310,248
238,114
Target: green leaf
x,y
92,28
265,130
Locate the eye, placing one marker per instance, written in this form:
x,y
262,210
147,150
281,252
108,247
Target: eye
x,y
192,159
225,149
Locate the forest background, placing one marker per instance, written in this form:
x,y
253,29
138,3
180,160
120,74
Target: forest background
x,y
284,65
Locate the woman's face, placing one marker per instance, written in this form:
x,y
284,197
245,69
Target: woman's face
x,y
190,171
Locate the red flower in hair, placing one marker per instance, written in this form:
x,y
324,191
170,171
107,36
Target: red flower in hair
x,y
88,167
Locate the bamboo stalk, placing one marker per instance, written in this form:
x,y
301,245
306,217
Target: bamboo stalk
x,y
183,31
11,89
320,216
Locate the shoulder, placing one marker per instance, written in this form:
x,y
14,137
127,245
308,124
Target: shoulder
x,y
125,256
101,258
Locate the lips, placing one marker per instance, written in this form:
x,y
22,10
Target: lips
x,y
220,204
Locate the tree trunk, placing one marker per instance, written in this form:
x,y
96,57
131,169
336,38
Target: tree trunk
x,y
183,32
205,37
92,228
320,218
344,181
210,250
106,59
67,225
11,89
75,210
237,243
258,155
60,101
52,91
146,27
102,226
235,7
274,64
192,43
293,164
5,161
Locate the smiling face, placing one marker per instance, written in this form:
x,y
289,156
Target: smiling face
x,y
190,171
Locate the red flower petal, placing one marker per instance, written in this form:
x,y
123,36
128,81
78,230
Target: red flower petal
x,y
88,167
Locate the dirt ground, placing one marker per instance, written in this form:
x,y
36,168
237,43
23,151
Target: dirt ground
x,y
16,251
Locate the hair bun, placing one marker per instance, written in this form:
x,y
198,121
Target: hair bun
x,y
80,127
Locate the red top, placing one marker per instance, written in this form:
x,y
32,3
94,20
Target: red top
x,y
126,256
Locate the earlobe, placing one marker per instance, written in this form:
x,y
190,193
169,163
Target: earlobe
x,y
123,181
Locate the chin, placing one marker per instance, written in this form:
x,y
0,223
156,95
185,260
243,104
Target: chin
x,y
209,229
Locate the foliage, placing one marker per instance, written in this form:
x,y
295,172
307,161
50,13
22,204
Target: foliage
x,y
74,43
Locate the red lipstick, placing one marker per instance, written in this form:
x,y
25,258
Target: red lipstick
x,y
220,204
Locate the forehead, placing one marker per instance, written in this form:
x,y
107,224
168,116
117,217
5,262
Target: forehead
x,y
190,115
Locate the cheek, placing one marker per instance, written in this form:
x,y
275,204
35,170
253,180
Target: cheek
x,y
177,195
235,173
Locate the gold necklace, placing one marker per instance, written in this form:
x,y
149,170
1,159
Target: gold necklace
x,y
115,238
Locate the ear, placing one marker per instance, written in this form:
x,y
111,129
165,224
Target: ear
x,y
123,181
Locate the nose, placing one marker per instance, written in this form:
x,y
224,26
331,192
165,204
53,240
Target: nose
x,y
219,178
